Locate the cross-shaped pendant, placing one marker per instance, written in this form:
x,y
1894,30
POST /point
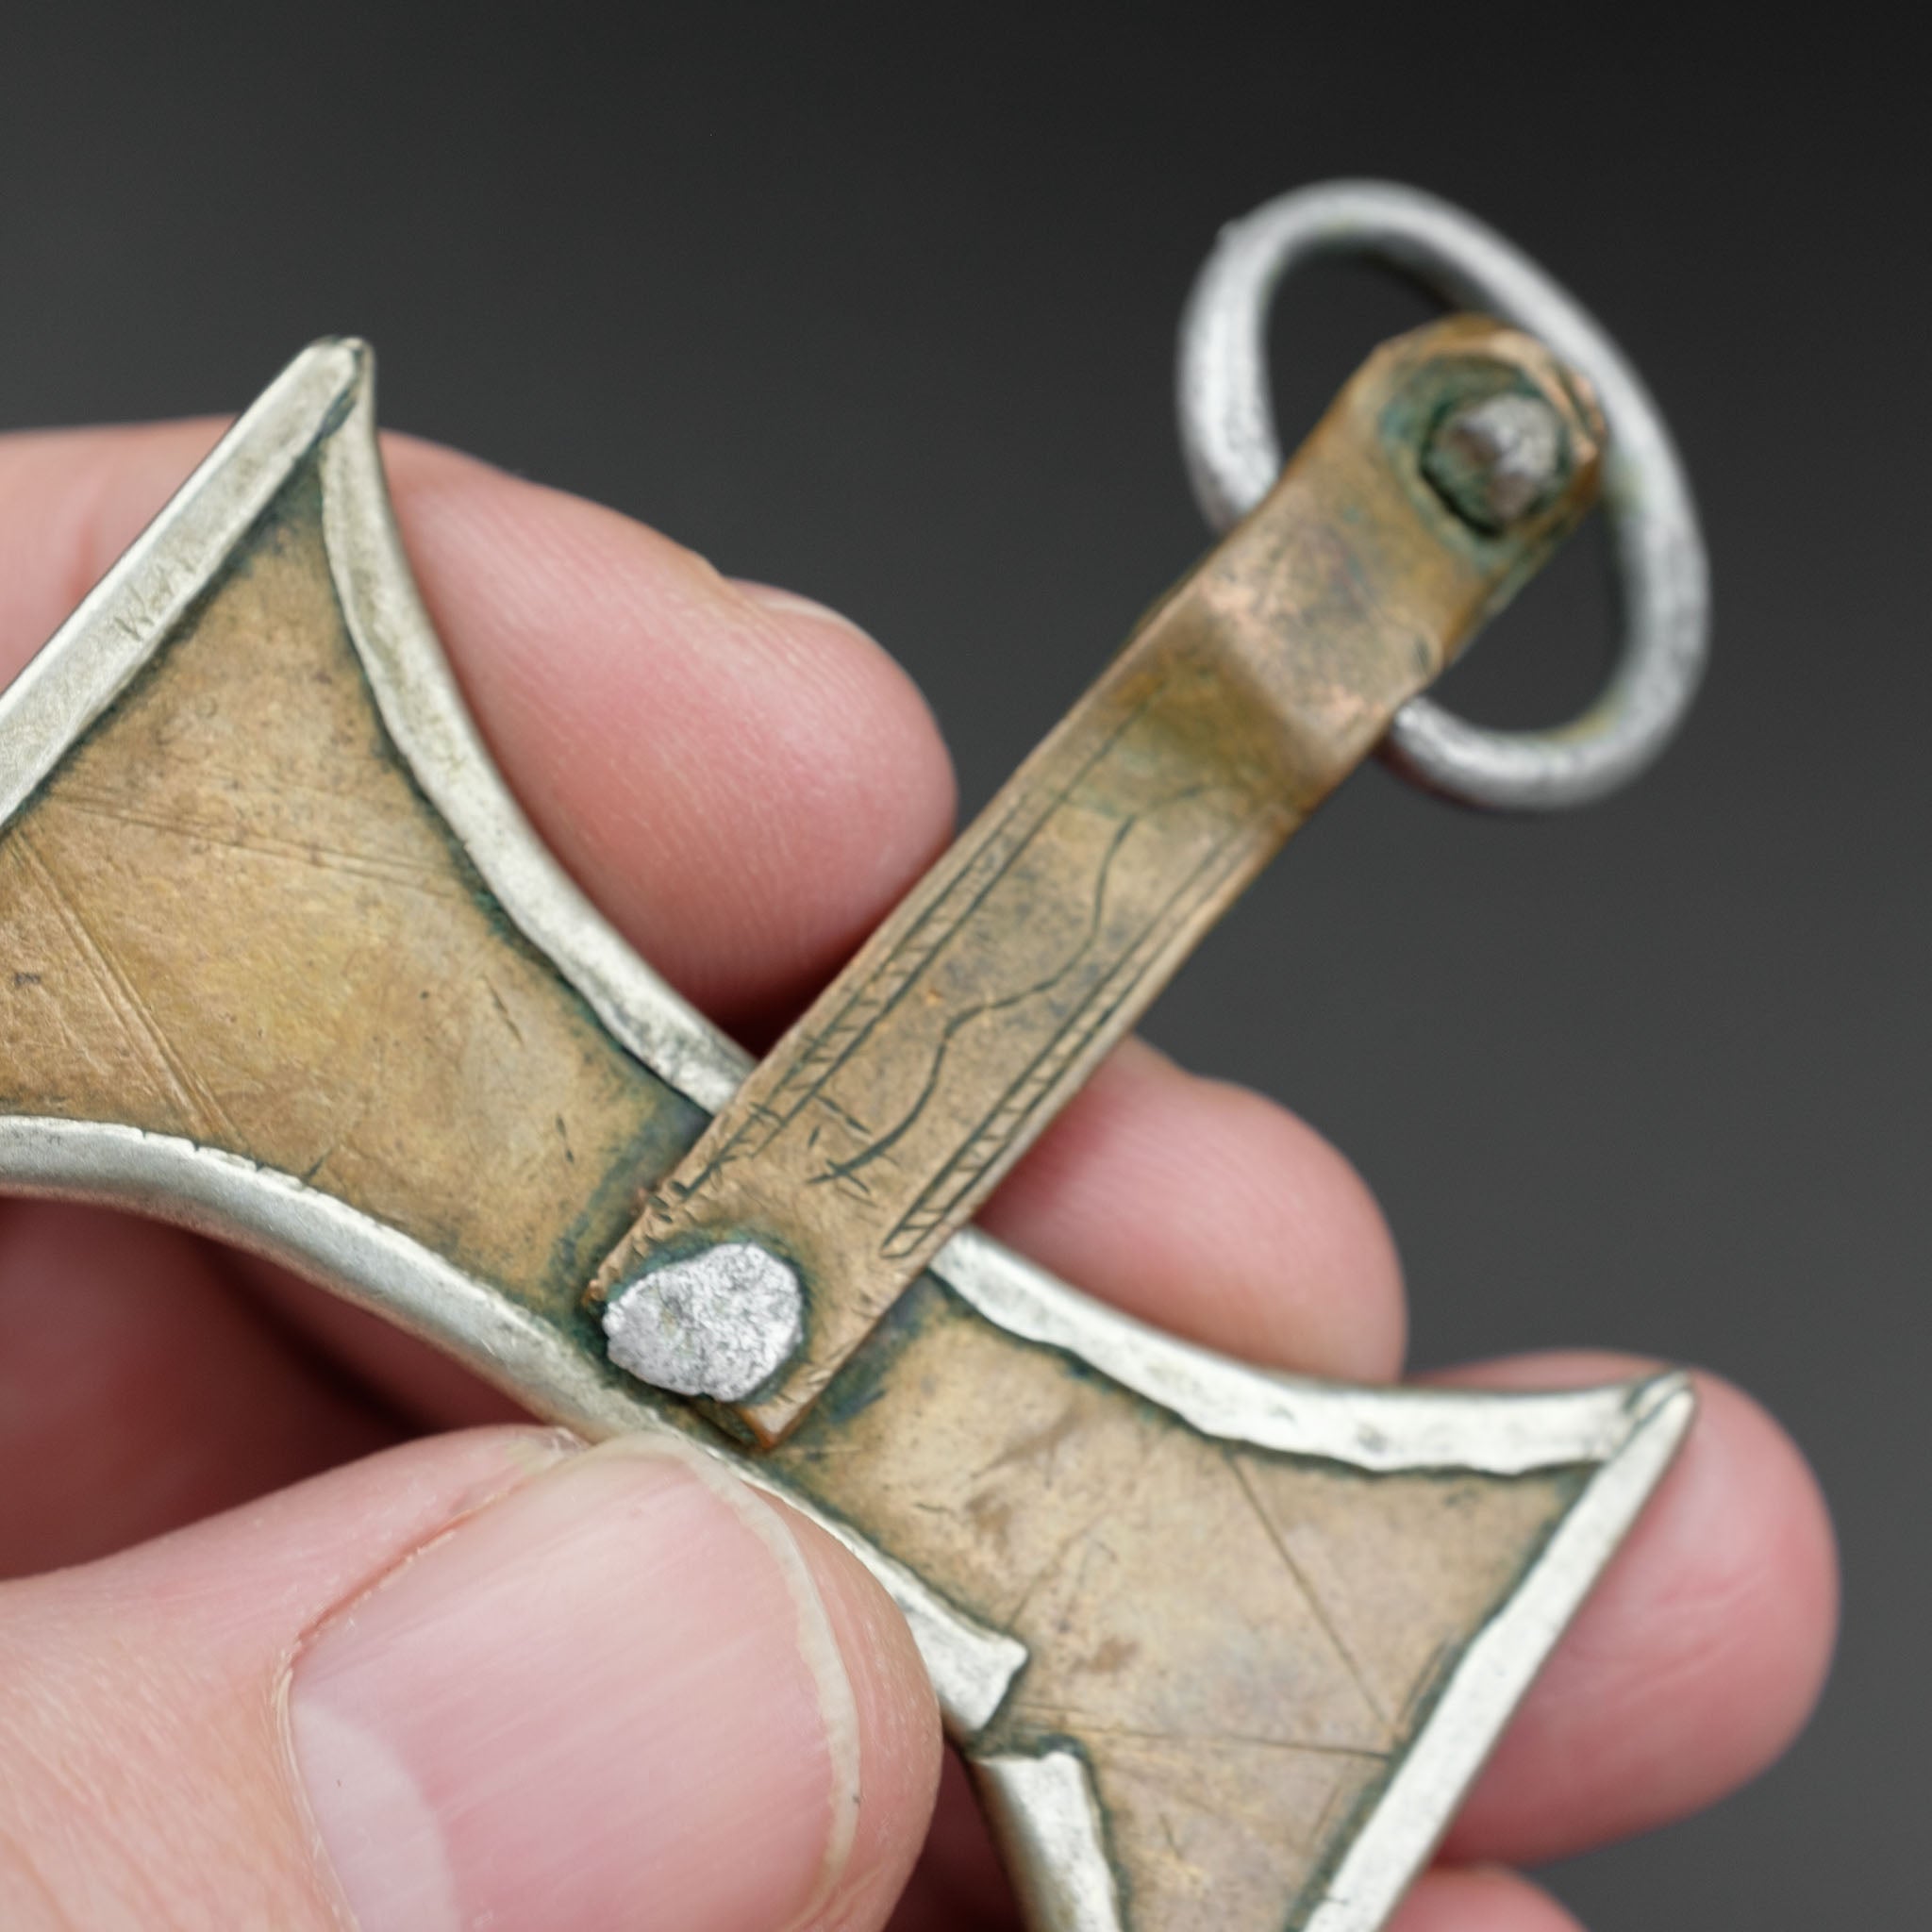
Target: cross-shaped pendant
x,y
285,963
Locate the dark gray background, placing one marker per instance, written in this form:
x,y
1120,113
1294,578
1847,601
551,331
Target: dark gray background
x,y
880,305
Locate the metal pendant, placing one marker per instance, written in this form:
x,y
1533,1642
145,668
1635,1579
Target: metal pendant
x,y
285,964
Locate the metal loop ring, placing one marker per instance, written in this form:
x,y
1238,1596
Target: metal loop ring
x,y
1663,591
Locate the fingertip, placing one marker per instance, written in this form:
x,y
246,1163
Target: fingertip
x,y
631,1663
744,780
142,1391
1208,1209
899,1739
1479,1899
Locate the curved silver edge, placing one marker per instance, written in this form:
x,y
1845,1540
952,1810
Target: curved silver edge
x,y
1043,1811
378,1268
417,694
1380,1429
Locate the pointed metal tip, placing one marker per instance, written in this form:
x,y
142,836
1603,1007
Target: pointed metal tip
x,y
342,367
1667,1399
353,347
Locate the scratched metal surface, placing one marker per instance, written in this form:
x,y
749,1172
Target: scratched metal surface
x,y
922,370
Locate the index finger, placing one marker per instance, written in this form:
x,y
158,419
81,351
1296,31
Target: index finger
x,y
741,780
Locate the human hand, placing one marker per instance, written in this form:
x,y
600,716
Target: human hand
x,y
477,1677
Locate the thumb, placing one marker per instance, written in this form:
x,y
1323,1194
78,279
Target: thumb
x,y
486,1679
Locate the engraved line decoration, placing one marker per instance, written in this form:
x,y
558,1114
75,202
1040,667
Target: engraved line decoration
x,y
980,870
963,1172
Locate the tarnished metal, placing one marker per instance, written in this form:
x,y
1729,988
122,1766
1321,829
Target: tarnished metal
x,y
891,1110
1498,460
1663,591
280,960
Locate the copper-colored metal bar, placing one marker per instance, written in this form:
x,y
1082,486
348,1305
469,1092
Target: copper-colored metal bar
x,y
922,1072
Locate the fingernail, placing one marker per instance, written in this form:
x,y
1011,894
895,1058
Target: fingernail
x,y
613,1697
789,603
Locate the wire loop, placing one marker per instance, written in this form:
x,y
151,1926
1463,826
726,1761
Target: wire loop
x,y
1233,456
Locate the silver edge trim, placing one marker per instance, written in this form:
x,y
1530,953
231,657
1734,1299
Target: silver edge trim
x,y
1369,1427
217,1194
1043,1811
1498,1668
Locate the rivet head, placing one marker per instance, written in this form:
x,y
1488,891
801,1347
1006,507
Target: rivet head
x,y
716,1322
1498,460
